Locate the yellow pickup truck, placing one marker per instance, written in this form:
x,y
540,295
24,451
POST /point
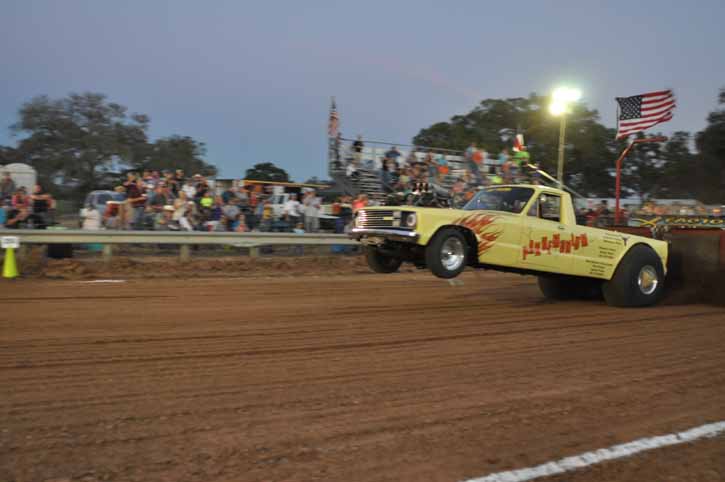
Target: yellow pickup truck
x,y
527,229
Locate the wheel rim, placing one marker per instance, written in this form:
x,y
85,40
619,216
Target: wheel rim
x,y
647,280
452,254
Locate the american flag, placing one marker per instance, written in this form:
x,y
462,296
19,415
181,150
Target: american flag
x,y
333,125
641,112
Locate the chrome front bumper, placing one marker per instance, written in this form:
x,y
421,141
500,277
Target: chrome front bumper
x,y
383,234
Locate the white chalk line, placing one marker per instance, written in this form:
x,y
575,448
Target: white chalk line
x,y
615,452
104,281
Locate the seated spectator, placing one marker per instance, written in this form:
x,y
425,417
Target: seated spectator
x,y
20,208
164,221
231,214
206,201
409,161
189,189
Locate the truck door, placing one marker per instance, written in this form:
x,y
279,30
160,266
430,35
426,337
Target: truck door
x,y
547,244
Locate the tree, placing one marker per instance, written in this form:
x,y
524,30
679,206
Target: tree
x,y
175,152
8,155
711,160
267,171
77,138
643,169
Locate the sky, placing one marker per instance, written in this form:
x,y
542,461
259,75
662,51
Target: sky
x,y
253,79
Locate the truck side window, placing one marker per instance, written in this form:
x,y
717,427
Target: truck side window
x,y
550,207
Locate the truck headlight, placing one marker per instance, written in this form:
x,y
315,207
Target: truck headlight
x,y
411,220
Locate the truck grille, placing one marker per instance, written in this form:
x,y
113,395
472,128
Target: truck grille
x,y
377,219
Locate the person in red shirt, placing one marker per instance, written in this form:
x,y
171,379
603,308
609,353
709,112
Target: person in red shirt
x,y
360,202
20,208
136,200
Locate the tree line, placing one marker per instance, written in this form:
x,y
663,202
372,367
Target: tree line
x,y
687,165
83,142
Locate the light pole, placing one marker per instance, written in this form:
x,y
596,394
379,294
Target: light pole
x,y
561,98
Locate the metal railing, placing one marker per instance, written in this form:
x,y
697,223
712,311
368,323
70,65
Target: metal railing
x,y
184,240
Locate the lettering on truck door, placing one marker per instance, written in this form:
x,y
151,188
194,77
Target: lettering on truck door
x,y
597,260
547,244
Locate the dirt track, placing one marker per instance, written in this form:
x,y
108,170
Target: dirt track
x,y
348,377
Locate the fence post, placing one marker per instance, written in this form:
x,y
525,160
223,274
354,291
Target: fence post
x,y
107,252
254,252
185,253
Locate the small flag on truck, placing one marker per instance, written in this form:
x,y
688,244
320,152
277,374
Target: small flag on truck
x,y
639,112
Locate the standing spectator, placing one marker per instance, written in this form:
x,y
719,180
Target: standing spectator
x,y
292,210
393,154
42,203
346,212
387,177
478,165
441,167
266,214
136,200
178,182
7,186
503,158
312,212
357,149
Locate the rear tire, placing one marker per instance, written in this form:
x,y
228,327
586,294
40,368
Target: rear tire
x,y
638,280
447,253
380,262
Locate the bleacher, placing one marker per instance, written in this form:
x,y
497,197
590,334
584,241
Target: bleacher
x,y
368,179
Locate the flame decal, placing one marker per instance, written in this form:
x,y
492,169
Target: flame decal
x,y
483,227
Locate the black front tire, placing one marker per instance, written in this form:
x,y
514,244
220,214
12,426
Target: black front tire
x,y
632,284
447,244
381,262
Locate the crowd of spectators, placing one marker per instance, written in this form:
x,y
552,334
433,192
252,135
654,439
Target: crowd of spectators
x,y
169,201
20,209
459,173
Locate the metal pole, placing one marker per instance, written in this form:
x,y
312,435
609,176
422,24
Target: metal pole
x,y
562,137
618,179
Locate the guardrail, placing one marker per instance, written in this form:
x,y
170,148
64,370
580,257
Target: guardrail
x,y
184,240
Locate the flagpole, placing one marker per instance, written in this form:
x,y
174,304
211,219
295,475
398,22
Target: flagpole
x,y
618,182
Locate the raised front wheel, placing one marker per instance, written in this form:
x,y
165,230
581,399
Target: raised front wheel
x,y
381,262
447,253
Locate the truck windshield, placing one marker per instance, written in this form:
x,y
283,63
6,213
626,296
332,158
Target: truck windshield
x,y
508,199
